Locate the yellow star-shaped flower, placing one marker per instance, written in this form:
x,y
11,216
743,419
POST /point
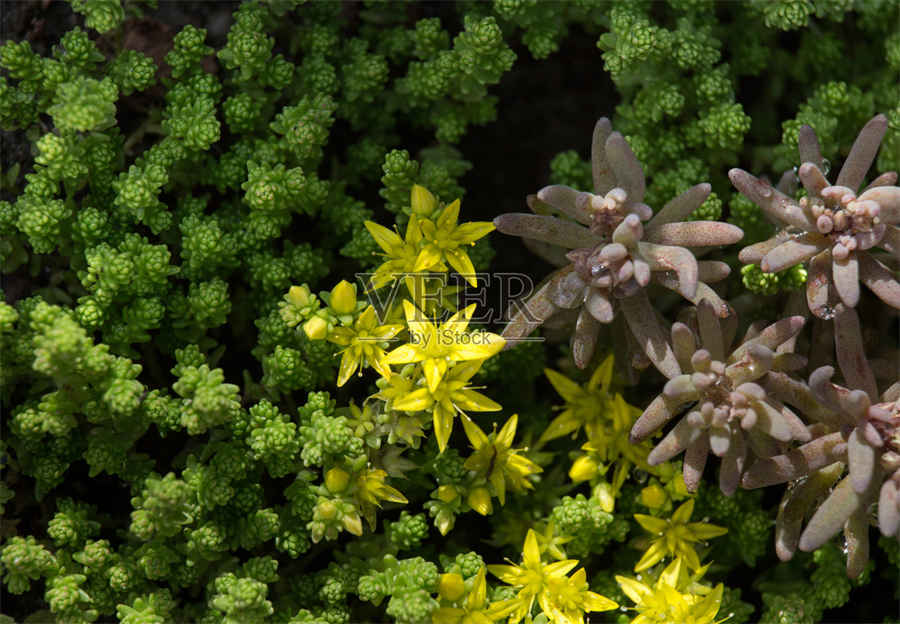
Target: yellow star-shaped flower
x,y
363,344
496,460
435,346
451,395
675,597
675,537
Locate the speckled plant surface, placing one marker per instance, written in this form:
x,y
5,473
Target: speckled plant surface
x,y
450,313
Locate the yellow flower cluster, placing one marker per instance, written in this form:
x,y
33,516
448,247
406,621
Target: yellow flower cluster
x,y
563,599
607,419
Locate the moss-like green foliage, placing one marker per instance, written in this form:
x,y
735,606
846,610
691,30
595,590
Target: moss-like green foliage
x,y
180,193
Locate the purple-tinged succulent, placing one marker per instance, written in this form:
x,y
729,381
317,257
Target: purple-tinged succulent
x,y
732,413
615,250
831,227
867,443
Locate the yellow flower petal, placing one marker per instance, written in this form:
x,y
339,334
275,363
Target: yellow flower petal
x,y
651,524
595,602
389,241
474,433
461,262
349,364
467,233
602,377
705,531
474,401
633,589
481,346
449,215
478,595
434,371
443,425
683,513
654,555
531,553
508,431
428,257
511,575
415,401
568,389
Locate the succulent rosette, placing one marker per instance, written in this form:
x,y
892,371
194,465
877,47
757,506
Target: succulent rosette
x,y
734,413
611,247
832,228
859,435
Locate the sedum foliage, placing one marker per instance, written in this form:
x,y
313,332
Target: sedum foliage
x,y
207,416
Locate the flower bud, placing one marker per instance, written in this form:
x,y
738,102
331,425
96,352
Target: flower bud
x,y
653,496
343,298
423,202
480,501
583,469
447,493
326,509
299,296
451,586
316,328
336,480
353,523
604,495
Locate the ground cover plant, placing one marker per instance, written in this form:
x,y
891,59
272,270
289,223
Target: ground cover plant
x,y
322,312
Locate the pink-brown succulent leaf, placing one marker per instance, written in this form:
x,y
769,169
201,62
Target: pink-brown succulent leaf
x,y
710,330
831,515
530,315
795,463
879,279
682,435
649,333
568,290
888,178
552,254
891,241
712,271
808,146
680,208
695,234
774,204
732,466
846,279
787,183
786,389
856,542
861,458
629,231
792,251
772,335
670,281
799,497
814,181
889,507
584,340
753,254
601,172
545,228
820,294
863,152
657,414
887,198
625,166
678,259
565,200
684,344
851,355
695,462
599,307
